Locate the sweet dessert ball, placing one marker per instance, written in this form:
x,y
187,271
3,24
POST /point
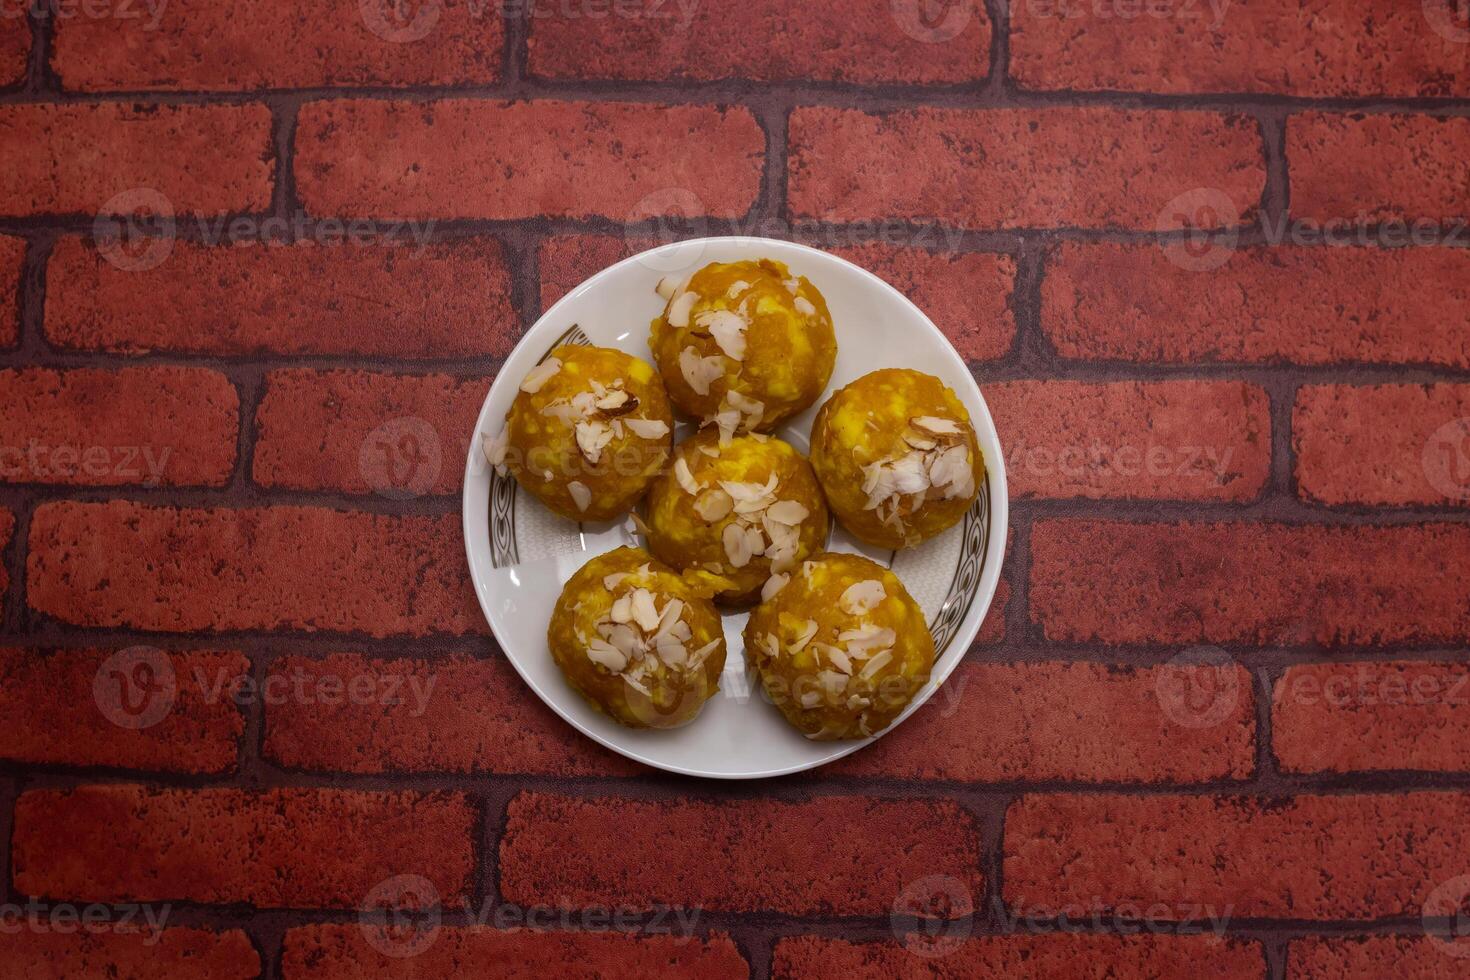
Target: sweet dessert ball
x,y
840,646
743,345
733,514
588,431
897,457
637,641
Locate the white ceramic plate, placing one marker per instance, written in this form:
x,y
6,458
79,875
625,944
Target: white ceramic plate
x,y
521,554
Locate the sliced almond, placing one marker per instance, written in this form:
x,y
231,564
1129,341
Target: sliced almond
x,y
622,609
877,663
698,656
860,597
937,426
727,421
713,452
647,428
605,654
910,475
832,680
805,307
792,285
864,640
679,308
810,699
840,660
539,375
667,619
667,287
773,587
755,541
789,512
736,288
636,523
581,496
623,636
699,372
737,546
672,652
494,448
645,612
728,330
612,581
685,478
612,400
808,631
918,440
592,438
713,504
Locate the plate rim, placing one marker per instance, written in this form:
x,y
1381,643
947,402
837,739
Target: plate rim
x,y
998,521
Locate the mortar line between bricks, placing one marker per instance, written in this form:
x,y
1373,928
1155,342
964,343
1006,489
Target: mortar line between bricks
x,y
9,793
875,97
40,81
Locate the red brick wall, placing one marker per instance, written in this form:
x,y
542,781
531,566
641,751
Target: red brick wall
x,y
259,263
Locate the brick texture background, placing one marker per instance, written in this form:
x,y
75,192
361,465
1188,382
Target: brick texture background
x,y
259,263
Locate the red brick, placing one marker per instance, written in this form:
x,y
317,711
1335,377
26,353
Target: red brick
x,y
1302,305
1161,440
48,705
7,527
455,714
249,300
1354,717
296,848
187,954
361,432
1308,857
1249,582
1018,168
195,45
851,856
1324,49
622,161
993,627
15,47
1087,722
1382,444
12,257
158,426
855,41
1372,958
1378,168
304,568
203,159
1072,955
968,296
566,260
342,951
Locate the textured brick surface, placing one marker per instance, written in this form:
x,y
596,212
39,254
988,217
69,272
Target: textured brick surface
x,y
1370,957
12,254
1249,582
864,41
1378,168
281,848
1310,857
90,708
1299,305
457,714
83,157
1009,168
1383,444
248,300
618,160
1086,722
333,951
853,856
360,432
1087,957
195,45
1311,49
188,954
148,426
1182,440
15,48
7,528
290,568
1350,717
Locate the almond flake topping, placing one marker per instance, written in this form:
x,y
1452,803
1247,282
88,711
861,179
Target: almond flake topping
x,y
773,586
679,308
494,448
700,372
539,375
592,438
808,631
804,306
936,465
861,597
636,636
668,286
581,495
728,329
647,428
713,504
686,479
736,288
